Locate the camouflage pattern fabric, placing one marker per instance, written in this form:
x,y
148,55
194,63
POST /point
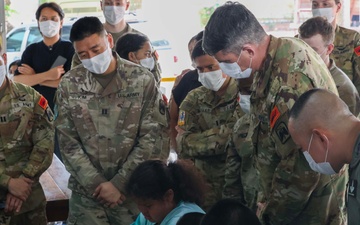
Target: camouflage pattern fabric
x,y
292,192
26,147
105,133
347,90
346,53
84,210
208,121
156,71
241,176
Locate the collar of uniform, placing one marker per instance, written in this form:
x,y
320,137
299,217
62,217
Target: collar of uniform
x,y
262,77
356,154
230,94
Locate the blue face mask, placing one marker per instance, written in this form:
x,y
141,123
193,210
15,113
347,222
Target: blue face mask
x,y
324,167
234,70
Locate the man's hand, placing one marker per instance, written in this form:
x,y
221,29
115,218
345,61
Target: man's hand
x,y
12,203
25,69
20,187
56,72
108,195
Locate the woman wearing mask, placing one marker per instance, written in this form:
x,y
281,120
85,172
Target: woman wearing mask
x,y
206,119
165,192
136,48
37,62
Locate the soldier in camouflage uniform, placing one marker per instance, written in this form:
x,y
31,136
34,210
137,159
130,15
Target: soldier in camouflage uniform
x,y
281,69
206,118
26,151
110,119
241,176
346,51
115,24
319,34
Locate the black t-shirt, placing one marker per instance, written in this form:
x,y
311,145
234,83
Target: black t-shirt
x,y
41,57
187,83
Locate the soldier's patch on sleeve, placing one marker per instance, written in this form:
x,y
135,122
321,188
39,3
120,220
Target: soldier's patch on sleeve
x,y
43,103
282,132
181,121
357,50
49,114
274,116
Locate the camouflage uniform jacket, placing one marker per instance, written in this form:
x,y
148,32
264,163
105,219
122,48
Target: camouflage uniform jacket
x,y
353,193
346,53
27,139
347,90
156,71
293,193
105,133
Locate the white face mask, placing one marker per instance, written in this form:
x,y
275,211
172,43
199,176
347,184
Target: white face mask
x,y
328,13
244,103
2,71
99,63
49,28
114,14
324,167
148,63
234,70
212,80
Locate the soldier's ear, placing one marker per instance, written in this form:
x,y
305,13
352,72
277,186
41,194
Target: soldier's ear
x,y
132,57
330,48
338,7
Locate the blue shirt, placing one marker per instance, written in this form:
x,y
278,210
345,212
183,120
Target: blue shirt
x,y
171,219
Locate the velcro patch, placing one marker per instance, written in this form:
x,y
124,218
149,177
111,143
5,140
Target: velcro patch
x,y
352,188
43,103
357,50
181,121
274,116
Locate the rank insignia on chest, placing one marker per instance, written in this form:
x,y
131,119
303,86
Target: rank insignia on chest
x,y
352,188
105,112
181,121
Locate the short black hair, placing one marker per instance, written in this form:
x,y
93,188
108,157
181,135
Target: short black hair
x,y
198,50
230,212
54,6
193,218
130,42
301,102
85,27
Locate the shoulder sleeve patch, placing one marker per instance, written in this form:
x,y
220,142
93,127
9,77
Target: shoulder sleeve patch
x,y
274,116
181,121
357,50
43,103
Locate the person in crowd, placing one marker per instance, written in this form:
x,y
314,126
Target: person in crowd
x,y
37,67
319,34
111,117
206,119
13,67
329,139
281,69
230,212
136,48
192,218
26,151
183,84
115,24
346,52
165,192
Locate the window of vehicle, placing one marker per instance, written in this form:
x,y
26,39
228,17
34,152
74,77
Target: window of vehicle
x,y
34,36
14,41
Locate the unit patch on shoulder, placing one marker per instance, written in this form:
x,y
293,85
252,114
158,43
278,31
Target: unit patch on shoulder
x,y
282,132
162,107
43,103
181,121
274,116
357,50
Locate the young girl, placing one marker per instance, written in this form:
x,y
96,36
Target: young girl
x,y
164,193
